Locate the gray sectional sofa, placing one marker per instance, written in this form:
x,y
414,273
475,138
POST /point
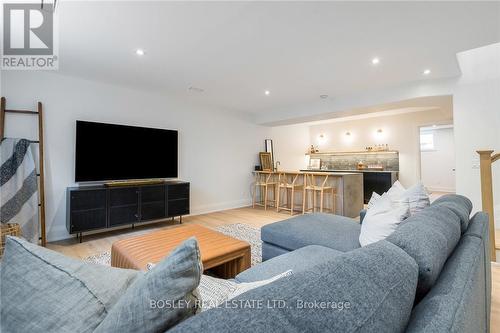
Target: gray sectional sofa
x,y
431,275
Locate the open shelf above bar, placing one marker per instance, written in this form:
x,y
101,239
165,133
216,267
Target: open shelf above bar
x,y
355,152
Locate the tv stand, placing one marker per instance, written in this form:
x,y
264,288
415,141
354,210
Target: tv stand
x,y
100,207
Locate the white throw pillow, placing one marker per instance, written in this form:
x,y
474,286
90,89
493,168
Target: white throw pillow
x,y
373,200
396,191
416,195
418,198
214,291
382,219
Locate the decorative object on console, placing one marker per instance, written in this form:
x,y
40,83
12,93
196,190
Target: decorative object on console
x,y
266,161
313,150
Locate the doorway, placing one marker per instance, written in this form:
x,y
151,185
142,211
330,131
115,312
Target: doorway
x,y
437,159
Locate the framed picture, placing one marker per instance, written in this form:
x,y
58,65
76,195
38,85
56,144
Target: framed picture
x,y
265,161
314,163
268,143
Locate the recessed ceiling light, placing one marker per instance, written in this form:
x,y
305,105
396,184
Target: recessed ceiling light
x,y
267,92
139,52
323,96
427,72
375,61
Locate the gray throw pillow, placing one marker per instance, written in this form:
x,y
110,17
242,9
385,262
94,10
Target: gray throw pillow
x,y
160,298
44,291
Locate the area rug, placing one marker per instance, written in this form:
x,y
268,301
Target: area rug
x,y
238,230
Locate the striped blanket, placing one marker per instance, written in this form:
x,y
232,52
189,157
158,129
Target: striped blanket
x,y
19,187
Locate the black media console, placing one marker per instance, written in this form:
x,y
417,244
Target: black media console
x,y
100,206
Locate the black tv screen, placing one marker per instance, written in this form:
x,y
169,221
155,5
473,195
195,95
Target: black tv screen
x,y
117,152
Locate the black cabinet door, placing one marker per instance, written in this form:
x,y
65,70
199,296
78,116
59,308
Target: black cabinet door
x,y
178,191
123,206
178,207
87,210
153,202
84,220
378,182
87,199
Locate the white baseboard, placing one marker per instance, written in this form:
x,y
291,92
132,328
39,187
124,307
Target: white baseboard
x,y
59,232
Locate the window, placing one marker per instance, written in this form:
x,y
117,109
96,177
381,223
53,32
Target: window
x,y
426,141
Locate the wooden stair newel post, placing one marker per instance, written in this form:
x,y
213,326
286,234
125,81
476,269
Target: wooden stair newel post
x,y
486,160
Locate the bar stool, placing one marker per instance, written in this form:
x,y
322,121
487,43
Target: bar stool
x,y
288,184
264,180
311,186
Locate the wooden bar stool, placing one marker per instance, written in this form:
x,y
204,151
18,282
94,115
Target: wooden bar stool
x,y
314,185
289,184
264,180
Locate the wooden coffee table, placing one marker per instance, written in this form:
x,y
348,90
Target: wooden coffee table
x,y
225,255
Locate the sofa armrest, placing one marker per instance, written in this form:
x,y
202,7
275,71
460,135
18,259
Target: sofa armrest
x,y
362,215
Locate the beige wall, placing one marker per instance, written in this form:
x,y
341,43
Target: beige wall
x,y
400,132
290,145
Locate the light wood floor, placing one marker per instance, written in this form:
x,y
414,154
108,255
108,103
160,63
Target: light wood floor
x,y
94,244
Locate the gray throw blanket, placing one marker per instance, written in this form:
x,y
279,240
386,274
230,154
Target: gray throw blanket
x,y
19,187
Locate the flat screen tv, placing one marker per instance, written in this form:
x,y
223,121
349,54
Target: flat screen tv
x,y
107,152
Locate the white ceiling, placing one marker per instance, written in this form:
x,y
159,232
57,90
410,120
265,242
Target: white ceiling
x,y
297,50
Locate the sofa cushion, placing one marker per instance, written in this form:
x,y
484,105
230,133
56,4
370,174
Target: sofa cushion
x,y
161,298
429,237
368,289
337,232
270,251
457,303
299,260
44,291
459,204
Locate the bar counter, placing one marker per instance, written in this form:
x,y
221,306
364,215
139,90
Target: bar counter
x,y
348,185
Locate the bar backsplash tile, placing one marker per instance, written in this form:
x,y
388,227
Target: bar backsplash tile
x,y
389,161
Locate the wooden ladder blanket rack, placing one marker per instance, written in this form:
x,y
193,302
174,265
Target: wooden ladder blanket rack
x,y
40,174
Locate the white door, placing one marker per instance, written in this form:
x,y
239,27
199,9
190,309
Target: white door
x,y
437,158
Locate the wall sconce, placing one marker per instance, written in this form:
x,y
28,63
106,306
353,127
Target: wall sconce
x,y
348,137
380,134
321,139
